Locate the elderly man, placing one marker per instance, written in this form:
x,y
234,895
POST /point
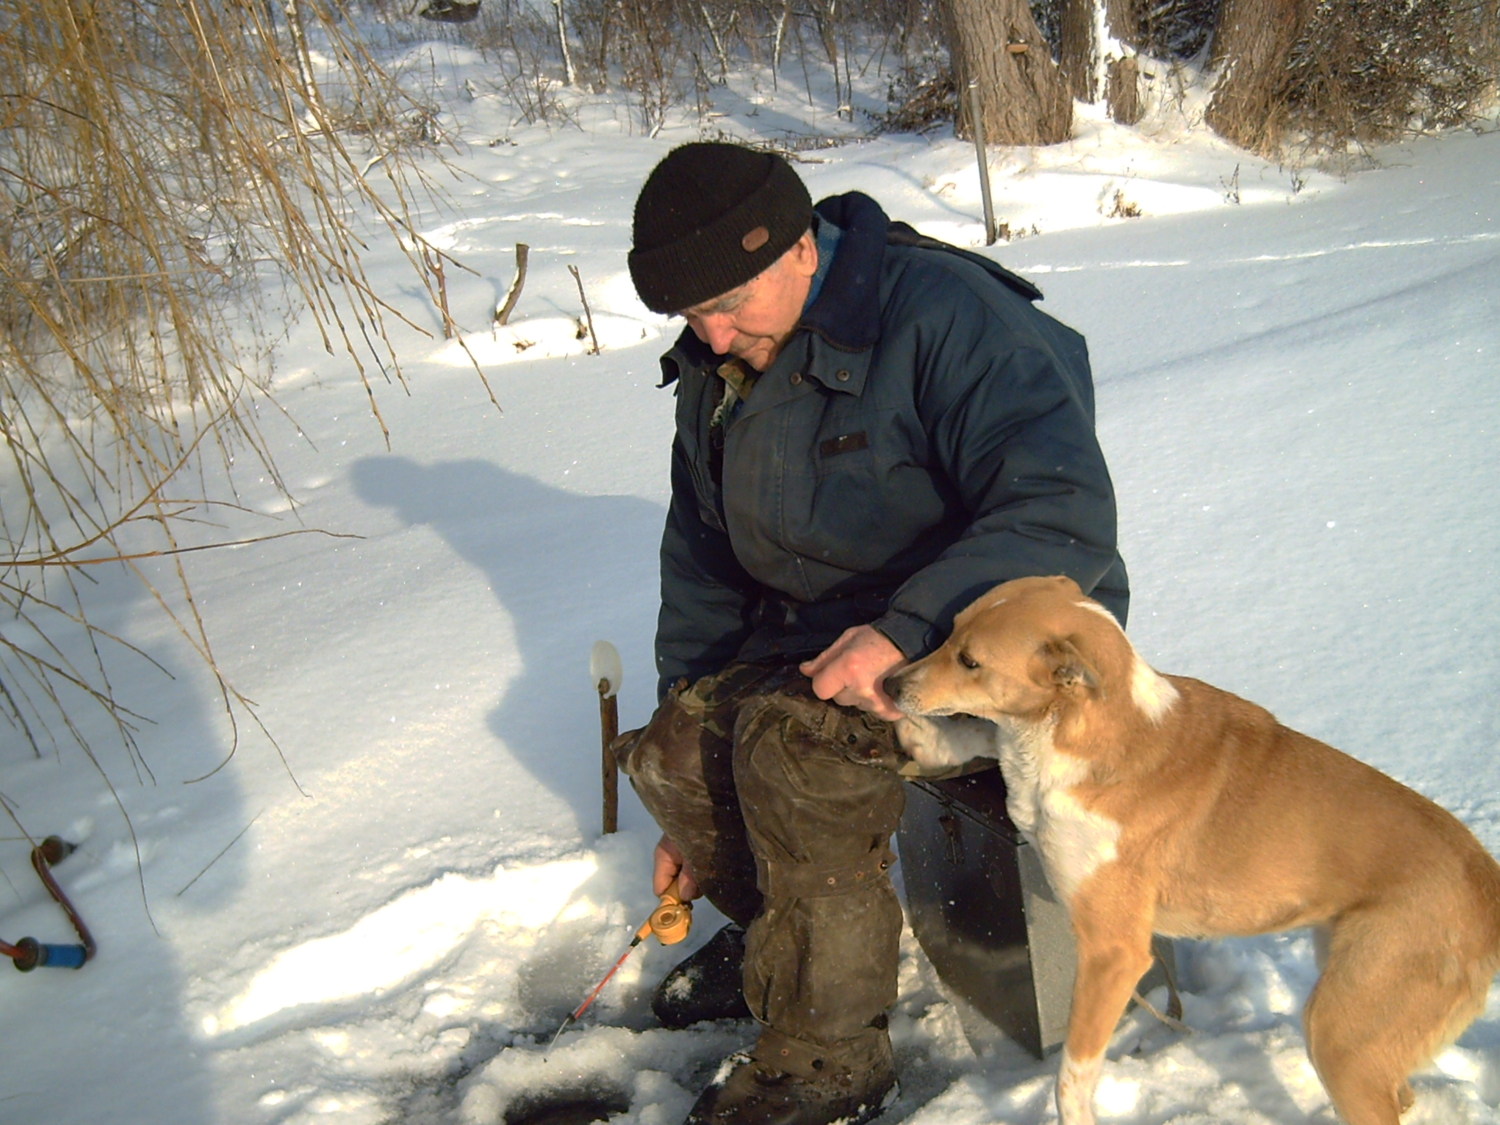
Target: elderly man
x,y
872,428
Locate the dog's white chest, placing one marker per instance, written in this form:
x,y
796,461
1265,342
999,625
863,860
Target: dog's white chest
x,y
1073,842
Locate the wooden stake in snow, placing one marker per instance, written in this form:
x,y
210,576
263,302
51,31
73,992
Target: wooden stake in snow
x,y
976,116
502,311
606,671
587,315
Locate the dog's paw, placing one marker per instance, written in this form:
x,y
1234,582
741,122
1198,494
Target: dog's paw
x,y
1076,1081
938,742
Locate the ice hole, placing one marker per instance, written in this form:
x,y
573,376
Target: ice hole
x,y
568,1107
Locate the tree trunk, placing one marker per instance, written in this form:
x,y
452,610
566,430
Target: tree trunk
x,y
299,45
570,74
1251,45
601,60
1092,33
997,43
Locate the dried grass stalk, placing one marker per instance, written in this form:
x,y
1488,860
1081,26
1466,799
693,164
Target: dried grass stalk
x,y
160,161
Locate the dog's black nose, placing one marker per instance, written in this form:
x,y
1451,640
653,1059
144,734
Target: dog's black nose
x,y
893,685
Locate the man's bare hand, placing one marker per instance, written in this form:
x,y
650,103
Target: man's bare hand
x,y
669,864
851,670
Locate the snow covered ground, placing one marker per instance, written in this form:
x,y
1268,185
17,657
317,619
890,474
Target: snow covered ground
x,y
1297,391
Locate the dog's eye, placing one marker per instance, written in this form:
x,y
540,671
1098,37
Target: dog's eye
x,y
966,660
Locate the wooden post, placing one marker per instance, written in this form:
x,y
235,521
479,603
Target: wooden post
x,y
609,727
976,120
604,667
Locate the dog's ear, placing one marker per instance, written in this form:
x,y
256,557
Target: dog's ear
x,y
1068,668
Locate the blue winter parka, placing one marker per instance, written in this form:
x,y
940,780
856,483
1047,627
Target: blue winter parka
x,y
925,434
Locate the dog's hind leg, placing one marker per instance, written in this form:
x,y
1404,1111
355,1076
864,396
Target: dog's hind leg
x,y
1382,1008
1348,1046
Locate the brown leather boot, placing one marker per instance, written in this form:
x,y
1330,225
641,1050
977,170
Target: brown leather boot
x,y
786,1081
707,985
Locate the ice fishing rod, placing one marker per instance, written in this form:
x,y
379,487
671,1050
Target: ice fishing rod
x,y
28,953
670,922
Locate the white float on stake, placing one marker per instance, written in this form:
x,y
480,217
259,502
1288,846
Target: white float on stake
x,y
605,668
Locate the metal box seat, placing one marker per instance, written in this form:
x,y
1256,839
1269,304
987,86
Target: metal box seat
x,y
984,914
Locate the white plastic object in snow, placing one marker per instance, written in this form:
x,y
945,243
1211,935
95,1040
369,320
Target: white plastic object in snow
x,y
604,665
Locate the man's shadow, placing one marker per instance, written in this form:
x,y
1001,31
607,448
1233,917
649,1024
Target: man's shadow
x,y
569,570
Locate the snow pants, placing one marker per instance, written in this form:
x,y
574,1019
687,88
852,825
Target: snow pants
x,y
784,806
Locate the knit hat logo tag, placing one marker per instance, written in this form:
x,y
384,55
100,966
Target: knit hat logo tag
x,y
755,239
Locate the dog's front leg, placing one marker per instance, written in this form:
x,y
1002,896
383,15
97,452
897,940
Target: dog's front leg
x,y
1114,952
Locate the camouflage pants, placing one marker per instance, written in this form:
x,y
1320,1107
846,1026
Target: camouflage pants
x,y
784,806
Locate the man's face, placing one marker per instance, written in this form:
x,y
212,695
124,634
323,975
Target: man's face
x,y
755,320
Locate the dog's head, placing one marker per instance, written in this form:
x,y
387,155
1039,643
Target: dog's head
x,y
1017,652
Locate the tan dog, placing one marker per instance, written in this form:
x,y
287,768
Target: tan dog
x,y
1161,804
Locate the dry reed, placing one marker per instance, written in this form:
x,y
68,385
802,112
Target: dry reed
x,y
161,161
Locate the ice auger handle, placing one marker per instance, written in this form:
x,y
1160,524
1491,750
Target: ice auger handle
x,y
35,953
28,953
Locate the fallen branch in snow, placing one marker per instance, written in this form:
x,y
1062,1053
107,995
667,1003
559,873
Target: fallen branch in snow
x,y
587,315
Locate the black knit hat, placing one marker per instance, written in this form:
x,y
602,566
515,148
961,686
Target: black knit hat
x,y
709,218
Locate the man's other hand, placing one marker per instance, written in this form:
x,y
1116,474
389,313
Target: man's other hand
x,y
669,864
851,671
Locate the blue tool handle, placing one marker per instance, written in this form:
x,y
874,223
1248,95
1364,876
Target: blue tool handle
x,y
55,956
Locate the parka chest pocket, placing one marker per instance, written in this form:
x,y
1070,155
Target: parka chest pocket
x,y
842,446
846,507
856,448
837,434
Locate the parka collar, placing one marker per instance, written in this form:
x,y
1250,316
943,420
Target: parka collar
x,y
847,311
